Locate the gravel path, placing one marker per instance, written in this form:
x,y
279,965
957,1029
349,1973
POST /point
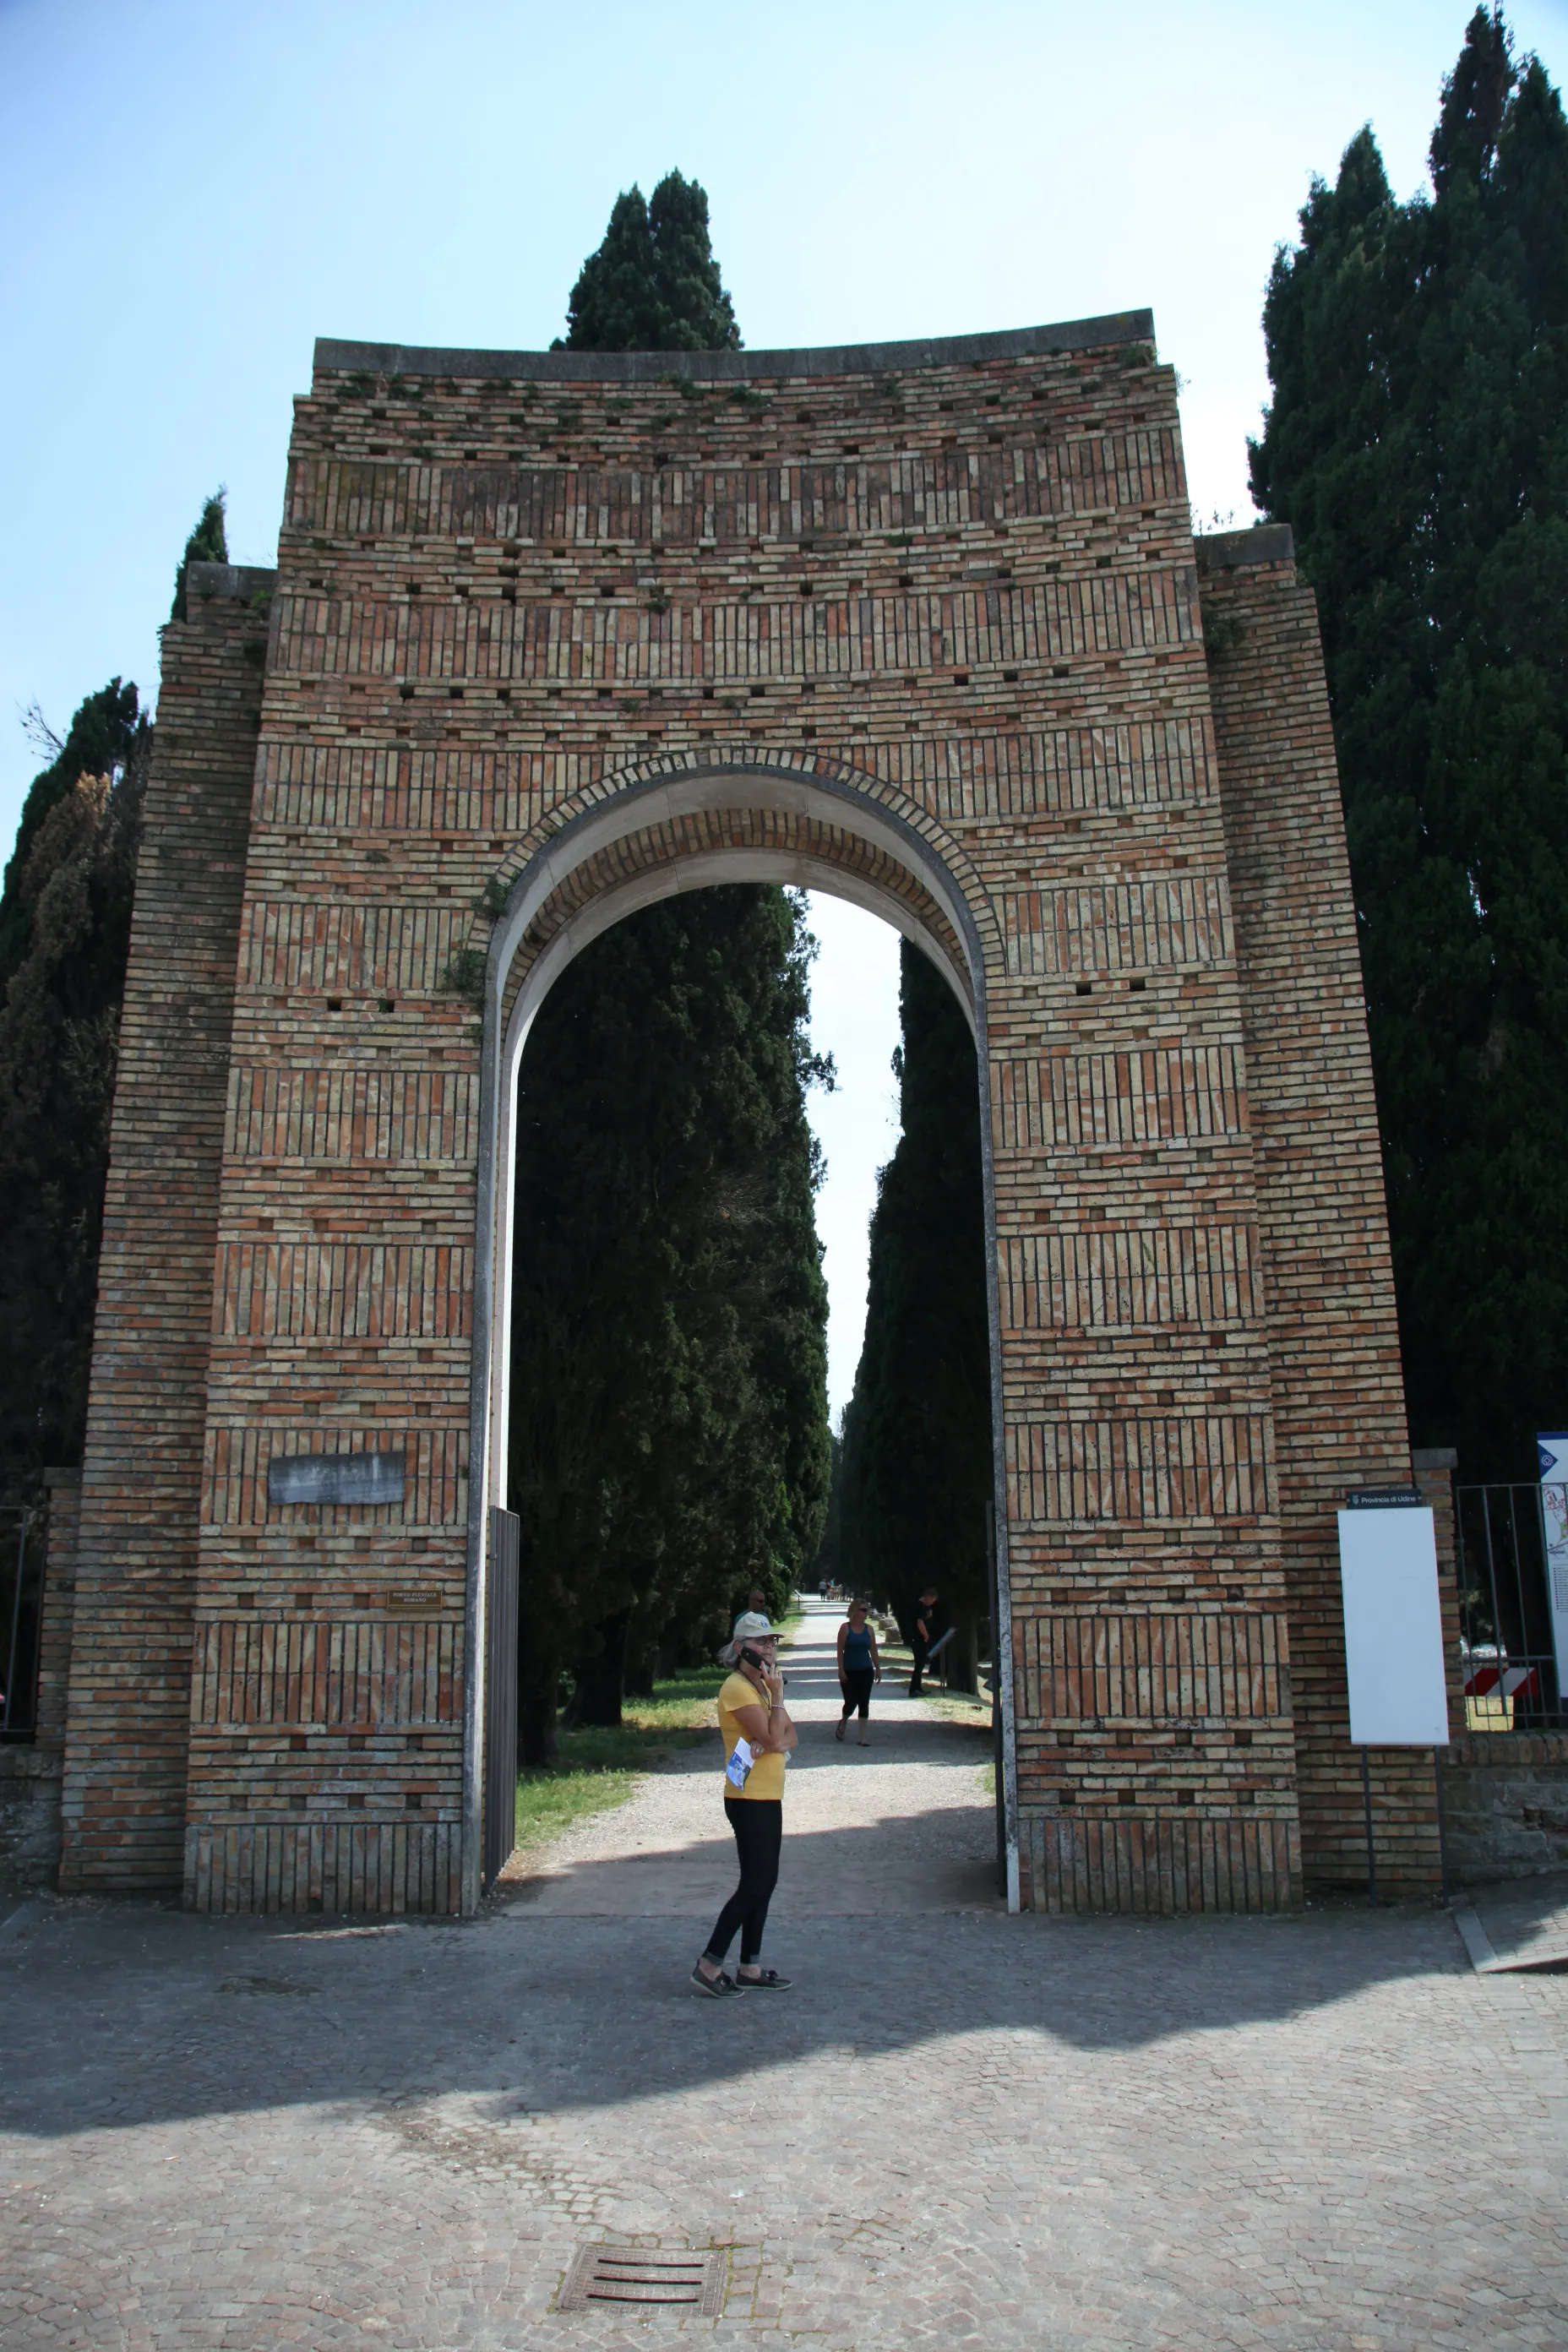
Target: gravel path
x,y
905,1824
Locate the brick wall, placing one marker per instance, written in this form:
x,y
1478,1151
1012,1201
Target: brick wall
x,y
1333,1340
1507,1800
59,1610
951,589
963,577
124,1791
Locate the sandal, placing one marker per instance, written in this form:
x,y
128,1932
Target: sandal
x,y
839,1733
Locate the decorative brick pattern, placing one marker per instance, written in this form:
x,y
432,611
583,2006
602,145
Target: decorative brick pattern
x,y
1147,1094
55,1628
305,1290
549,627
1125,926
327,1865
1119,1278
710,831
1139,1470
234,1492
1333,1342
393,1115
329,1675
1147,1668
1103,1863
125,1770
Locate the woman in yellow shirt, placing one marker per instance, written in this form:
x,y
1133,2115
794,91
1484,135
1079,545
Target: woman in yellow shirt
x,y
757,1735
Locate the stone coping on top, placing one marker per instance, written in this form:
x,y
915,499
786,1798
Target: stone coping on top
x,y
652,367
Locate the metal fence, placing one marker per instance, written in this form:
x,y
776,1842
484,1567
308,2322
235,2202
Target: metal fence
x,y
21,1610
1505,1617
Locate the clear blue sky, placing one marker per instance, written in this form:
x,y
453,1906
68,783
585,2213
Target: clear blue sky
x,y
190,193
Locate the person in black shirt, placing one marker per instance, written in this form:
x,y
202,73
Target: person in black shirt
x,y
925,1633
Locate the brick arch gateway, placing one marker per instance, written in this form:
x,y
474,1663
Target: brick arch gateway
x,y
550,635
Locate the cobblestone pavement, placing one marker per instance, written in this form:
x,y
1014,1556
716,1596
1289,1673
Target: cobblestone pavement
x,y
959,2129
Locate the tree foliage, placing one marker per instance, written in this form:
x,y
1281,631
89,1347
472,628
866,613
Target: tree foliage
x,y
106,736
653,285
69,893
668,1417
669,1442
208,543
65,935
915,1477
1418,444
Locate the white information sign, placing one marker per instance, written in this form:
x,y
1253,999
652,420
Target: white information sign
x,y
1552,1451
1393,1629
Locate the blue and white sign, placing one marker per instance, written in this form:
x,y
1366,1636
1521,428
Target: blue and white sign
x,y
1551,1450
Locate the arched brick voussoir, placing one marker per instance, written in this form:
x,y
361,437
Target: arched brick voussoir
x,y
717,845
756,815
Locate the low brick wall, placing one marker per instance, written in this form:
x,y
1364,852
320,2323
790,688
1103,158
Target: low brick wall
x,y
1506,1793
29,1816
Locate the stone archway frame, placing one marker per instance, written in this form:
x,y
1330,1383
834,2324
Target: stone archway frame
x,y
908,871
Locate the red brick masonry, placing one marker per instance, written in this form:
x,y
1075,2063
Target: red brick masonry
x,y
552,633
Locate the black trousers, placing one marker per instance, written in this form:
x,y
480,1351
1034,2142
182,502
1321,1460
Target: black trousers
x,y
758,1824
918,1648
857,1688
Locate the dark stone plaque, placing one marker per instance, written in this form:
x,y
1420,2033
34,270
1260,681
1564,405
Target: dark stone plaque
x,y
335,1478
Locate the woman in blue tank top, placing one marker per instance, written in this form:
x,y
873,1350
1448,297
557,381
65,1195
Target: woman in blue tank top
x,y
858,1667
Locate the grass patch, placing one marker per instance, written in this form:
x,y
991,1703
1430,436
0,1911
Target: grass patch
x,y
972,1709
598,1770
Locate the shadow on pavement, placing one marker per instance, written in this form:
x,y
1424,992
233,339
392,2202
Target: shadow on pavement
x,y
1525,1919
120,2013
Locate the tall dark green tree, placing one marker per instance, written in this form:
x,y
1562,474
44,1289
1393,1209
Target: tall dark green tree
x,y
208,543
1418,444
670,1423
670,1438
106,738
67,926
65,935
915,1474
653,285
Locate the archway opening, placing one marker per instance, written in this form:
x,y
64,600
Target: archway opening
x,y
618,864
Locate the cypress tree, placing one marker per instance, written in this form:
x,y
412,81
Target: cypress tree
x,y
64,936
653,285
669,1396
106,736
68,890
916,1467
669,1426
1418,444
208,543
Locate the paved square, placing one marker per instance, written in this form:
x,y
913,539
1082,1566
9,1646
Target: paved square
x,y
959,2128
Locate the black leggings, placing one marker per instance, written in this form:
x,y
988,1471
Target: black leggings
x,y
758,1824
856,1685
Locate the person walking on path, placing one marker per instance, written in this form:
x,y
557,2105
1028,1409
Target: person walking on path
x,y
860,1666
758,1735
924,1635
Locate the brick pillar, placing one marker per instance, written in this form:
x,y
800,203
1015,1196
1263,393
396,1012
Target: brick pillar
x,y
129,1705
1334,1337
58,1605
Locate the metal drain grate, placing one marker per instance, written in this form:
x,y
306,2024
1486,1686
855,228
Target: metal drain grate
x,y
621,2275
